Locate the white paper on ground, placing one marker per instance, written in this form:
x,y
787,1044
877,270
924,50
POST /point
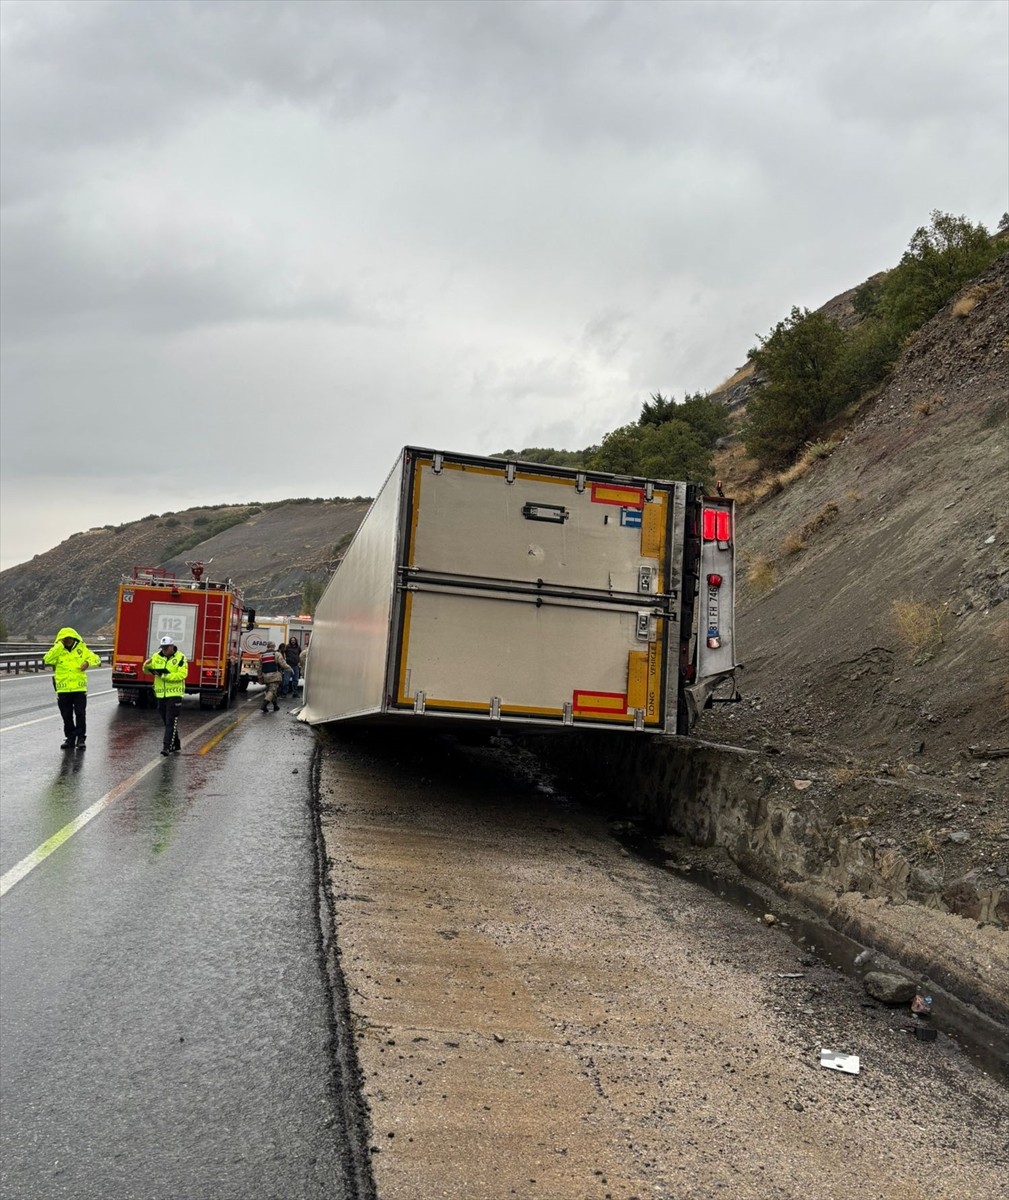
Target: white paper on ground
x,y
839,1062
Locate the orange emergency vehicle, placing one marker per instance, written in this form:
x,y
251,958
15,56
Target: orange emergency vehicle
x,y
203,616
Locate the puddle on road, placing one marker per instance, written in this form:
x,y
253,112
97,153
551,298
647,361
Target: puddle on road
x,y
980,1039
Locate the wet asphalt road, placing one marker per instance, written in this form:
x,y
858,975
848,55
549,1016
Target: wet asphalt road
x,y
165,1024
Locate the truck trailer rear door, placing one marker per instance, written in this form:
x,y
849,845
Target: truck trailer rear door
x,y
535,596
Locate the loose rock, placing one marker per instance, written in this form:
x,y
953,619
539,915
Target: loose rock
x,y
889,988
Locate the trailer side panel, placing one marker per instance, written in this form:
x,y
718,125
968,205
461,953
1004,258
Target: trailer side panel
x,y
348,663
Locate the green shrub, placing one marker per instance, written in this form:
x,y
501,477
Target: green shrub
x,y
939,260
802,360
672,450
708,419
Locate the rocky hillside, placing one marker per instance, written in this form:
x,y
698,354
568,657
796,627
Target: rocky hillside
x,y
269,551
873,619
871,605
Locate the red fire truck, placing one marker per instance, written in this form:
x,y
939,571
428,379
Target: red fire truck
x,y
204,618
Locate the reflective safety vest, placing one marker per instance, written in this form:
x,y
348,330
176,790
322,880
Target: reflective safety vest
x,y
67,664
169,674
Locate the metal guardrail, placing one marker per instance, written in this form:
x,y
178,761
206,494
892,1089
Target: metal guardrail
x,y
29,660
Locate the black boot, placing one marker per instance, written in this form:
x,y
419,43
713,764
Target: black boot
x,y
68,744
82,743
276,706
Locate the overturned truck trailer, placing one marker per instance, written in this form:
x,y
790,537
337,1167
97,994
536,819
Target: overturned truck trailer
x,y
490,590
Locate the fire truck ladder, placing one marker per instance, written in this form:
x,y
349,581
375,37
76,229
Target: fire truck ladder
x,y
213,631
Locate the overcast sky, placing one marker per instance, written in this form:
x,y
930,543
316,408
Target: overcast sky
x,y
252,248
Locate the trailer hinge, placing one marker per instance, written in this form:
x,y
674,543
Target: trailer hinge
x,y
495,708
639,718
649,491
646,579
568,717
644,629
418,702
439,462
580,482
509,472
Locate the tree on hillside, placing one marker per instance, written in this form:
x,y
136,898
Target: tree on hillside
x,y
311,593
657,410
3,630
939,260
672,450
801,360
707,418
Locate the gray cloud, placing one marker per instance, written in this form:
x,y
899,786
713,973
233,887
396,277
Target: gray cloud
x,y
480,224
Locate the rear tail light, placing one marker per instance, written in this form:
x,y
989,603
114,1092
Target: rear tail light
x,y
209,673
125,668
714,581
716,525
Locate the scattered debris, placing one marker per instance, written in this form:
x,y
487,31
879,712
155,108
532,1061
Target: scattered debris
x,y
922,1005
924,1033
839,1062
769,919
792,975
889,988
499,1038
988,752
800,785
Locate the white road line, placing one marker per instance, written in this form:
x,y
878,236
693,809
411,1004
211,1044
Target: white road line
x,y
6,677
31,861
52,716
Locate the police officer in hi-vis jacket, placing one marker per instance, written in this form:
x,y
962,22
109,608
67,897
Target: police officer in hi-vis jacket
x,y
70,659
169,667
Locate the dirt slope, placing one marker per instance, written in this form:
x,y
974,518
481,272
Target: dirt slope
x,y
873,621
919,485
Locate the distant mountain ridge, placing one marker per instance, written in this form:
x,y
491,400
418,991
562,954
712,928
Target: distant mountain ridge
x,y
270,551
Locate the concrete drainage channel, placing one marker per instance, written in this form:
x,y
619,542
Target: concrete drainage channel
x,y
981,1038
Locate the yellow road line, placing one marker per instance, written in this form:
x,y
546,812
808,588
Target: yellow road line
x,y
208,746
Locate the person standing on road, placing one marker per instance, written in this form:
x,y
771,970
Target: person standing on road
x,y
169,666
272,669
292,653
70,659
